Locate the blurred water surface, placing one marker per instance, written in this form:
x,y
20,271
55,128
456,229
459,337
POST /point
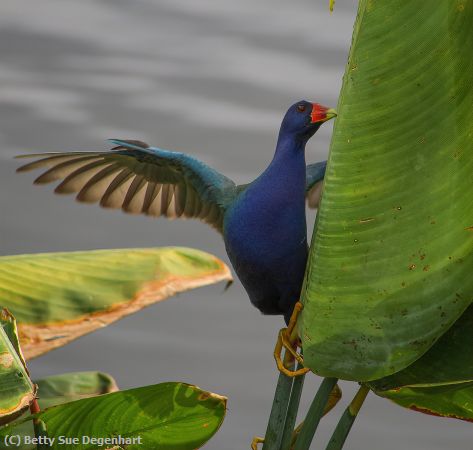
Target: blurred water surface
x,y
209,77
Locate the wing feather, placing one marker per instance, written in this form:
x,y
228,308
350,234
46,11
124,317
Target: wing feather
x,y
75,181
152,190
165,200
155,207
63,169
140,179
171,210
189,206
116,192
96,187
181,195
315,174
49,161
204,210
133,202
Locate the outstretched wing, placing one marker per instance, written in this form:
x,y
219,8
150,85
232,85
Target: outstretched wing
x,y
314,180
140,180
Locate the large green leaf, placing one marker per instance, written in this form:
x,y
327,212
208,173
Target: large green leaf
x,y
391,263
58,297
173,416
449,400
16,389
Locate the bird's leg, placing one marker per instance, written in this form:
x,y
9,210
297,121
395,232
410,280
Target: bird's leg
x,y
256,440
289,339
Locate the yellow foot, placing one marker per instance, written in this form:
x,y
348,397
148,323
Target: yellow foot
x,y
289,339
256,440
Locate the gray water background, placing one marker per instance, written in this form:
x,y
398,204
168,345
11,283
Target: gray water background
x,y
208,77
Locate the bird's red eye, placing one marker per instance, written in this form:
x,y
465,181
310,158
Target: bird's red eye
x,y
301,108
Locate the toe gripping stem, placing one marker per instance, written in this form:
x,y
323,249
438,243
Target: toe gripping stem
x,y
255,442
288,339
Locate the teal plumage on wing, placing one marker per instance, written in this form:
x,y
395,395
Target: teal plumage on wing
x,y
140,179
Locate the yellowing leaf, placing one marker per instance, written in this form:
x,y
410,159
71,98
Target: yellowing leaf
x,y
58,297
16,389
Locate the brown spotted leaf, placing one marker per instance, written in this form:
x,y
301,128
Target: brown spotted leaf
x,y
16,389
390,266
441,381
451,400
166,416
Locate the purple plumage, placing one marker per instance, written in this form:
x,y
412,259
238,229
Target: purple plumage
x,y
265,226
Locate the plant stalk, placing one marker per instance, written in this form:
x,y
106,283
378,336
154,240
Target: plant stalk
x,y
39,426
292,410
316,411
277,417
340,434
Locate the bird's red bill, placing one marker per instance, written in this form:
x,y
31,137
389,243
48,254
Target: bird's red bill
x,y
319,113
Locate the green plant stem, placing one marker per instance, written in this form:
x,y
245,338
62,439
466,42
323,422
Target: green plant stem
x,y
316,411
340,434
38,425
292,410
277,417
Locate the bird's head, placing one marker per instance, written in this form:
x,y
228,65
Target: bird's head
x,y
304,118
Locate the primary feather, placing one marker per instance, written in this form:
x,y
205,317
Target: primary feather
x,y
140,180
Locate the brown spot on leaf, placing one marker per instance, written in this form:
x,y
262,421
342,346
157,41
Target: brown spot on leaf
x,y
7,415
6,360
206,395
433,413
412,267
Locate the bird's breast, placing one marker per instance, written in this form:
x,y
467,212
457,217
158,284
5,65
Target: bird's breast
x,y
263,229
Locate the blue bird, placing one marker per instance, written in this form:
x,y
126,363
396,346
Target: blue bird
x,y
263,223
